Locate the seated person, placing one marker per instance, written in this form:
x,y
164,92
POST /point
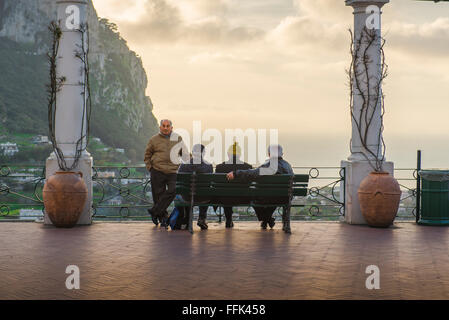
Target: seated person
x,y
275,154
233,163
199,165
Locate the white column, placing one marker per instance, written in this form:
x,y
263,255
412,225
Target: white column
x,y
357,167
70,99
374,72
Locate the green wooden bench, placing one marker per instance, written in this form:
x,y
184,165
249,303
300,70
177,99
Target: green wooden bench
x,y
215,190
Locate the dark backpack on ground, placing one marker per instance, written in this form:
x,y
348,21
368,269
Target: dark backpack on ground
x,y
179,219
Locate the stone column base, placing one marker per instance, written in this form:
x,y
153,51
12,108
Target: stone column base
x,y
355,172
85,166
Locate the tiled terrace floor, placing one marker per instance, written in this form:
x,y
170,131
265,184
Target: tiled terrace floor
x,y
139,261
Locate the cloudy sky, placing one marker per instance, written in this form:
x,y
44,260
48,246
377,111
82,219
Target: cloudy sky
x,y
281,64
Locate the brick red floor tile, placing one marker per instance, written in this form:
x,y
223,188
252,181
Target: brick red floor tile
x,y
139,261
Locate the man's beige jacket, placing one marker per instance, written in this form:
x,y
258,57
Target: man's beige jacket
x,y
157,154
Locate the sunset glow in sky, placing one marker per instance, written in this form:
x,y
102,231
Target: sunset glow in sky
x,y
281,64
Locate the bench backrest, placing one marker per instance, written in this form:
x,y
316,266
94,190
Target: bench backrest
x,y
217,185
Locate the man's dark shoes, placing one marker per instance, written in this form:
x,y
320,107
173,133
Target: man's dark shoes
x,y
271,223
202,224
153,217
229,224
263,225
164,223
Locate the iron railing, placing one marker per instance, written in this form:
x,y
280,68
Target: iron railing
x,y
123,193
21,192
407,178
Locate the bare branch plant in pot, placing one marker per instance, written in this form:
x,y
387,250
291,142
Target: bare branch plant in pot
x,y
379,193
65,193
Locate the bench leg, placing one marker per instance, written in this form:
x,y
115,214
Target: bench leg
x,y
191,220
284,217
286,220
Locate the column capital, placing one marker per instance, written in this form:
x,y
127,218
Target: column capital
x,y
366,3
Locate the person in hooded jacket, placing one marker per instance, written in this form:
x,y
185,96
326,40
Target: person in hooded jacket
x,y
274,165
199,165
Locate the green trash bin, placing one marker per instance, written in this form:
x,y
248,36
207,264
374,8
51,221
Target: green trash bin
x,y
434,197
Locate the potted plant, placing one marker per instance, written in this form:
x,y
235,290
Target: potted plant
x,y
379,193
65,193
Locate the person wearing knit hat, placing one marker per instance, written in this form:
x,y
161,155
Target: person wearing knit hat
x,y
233,163
234,150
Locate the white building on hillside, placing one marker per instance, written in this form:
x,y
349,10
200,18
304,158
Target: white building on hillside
x,y
9,148
40,139
106,174
30,214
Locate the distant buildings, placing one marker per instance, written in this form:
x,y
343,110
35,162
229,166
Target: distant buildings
x,y
116,201
40,140
8,148
106,174
118,150
23,177
30,214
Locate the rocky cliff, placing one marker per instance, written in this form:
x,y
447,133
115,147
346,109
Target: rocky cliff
x,y
122,113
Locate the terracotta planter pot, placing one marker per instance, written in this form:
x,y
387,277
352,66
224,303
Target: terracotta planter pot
x,y
65,195
379,196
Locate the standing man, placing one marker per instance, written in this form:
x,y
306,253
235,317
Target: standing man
x,y
232,164
163,169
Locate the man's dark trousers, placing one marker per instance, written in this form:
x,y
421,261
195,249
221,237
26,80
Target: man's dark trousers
x,y
163,188
266,213
228,213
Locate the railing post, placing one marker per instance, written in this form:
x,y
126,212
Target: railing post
x,y
343,186
192,192
418,186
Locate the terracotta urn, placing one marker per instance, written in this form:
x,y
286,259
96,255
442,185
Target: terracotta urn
x,y
379,197
65,195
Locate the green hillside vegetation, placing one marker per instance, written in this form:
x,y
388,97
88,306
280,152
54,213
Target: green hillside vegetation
x,y
31,153
23,95
23,102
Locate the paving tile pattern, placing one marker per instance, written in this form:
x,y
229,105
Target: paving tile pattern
x,y
140,261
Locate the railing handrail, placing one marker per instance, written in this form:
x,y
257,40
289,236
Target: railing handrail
x,y
136,196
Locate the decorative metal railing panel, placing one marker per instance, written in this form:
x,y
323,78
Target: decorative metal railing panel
x,y
325,197
124,193
121,193
21,192
407,178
